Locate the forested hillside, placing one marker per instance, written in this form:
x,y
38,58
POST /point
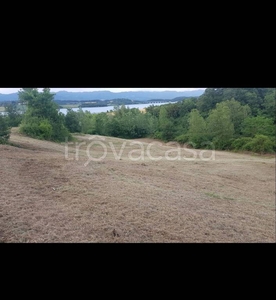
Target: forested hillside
x,y
221,118
224,118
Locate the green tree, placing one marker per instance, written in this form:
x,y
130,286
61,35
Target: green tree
x,y
270,104
260,144
258,125
15,116
197,128
186,106
72,121
4,130
166,127
153,110
220,127
131,123
238,113
42,119
208,100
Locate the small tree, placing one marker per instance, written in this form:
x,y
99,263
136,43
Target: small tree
x,y
258,125
220,127
270,105
72,121
14,115
4,130
238,113
260,144
42,119
166,127
197,128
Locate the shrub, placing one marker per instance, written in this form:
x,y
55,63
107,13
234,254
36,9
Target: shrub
x,y
239,143
45,129
260,144
30,127
4,130
182,139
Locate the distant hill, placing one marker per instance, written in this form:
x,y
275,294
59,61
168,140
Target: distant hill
x,y
8,97
107,95
137,96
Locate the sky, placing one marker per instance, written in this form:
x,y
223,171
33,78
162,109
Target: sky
x,y
115,90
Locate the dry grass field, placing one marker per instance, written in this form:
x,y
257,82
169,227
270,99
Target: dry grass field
x,y
53,194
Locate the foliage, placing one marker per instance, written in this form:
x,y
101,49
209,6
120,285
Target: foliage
x,y
182,139
238,144
260,144
4,130
197,128
165,125
208,100
42,119
220,127
221,118
256,98
72,121
238,113
15,116
258,125
123,122
270,105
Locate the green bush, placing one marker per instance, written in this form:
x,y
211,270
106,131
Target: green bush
x,y
158,135
221,144
4,130
30,127
182,139
260,144
45,129
72,121
42,119
258,125
239,143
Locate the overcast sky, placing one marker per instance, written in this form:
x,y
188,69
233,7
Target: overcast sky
x,y
15,90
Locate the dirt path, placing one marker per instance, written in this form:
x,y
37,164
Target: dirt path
x,y
48,196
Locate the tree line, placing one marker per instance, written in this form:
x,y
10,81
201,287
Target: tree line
x,y
239,119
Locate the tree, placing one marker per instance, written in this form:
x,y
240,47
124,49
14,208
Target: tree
x,y
153,110
258,125
260,144
15,116
220,127
42,119
270,104
4,130
238,113
197,128
72,121
209,99
186,106
129,123
166,128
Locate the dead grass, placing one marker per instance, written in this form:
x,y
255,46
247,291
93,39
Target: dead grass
x,y
48,198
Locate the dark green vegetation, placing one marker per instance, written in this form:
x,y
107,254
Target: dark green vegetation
x,y
239,119
122,122
224,119
15,113
42,119
4,129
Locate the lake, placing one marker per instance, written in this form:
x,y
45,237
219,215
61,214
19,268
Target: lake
x,y
96,110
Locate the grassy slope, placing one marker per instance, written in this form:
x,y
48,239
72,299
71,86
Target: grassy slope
x,y
48,198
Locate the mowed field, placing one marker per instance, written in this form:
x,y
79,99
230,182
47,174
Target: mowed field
x,y
93,193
